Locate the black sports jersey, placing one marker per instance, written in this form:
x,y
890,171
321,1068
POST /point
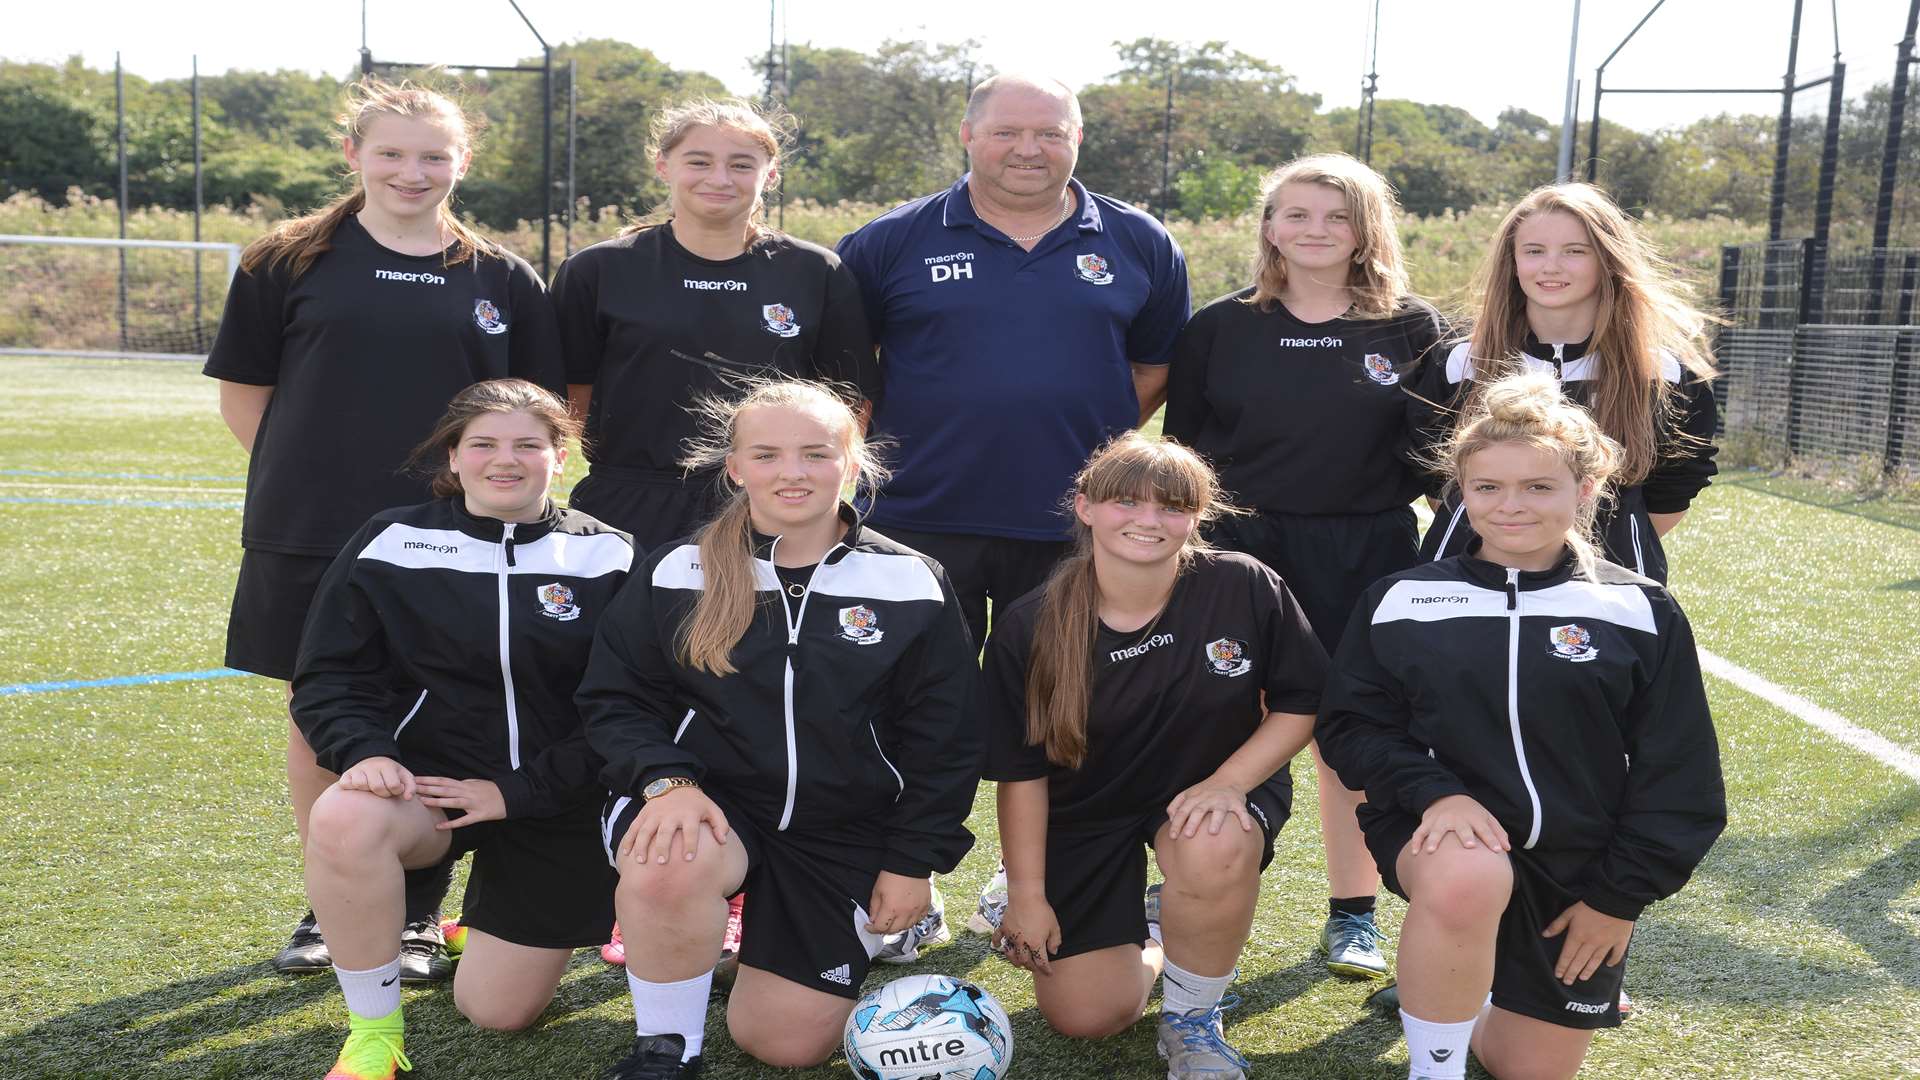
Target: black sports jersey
x,y
1298,417
489,625
651,326
1684,465
364,351
1572,710
1171,701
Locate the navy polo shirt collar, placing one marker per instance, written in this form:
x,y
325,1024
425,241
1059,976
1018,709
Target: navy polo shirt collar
x,y
958,212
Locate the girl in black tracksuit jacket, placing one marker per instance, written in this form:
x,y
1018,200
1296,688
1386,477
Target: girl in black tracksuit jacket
x,y
1546,709
785,706
436,676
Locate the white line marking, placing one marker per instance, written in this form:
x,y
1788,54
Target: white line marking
x,y
1874,746
37,485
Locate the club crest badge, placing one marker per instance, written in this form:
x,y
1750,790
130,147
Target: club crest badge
x,y
779,320
487,317
1380,369
1093,269
1228,658
860,625
556,602
1573,643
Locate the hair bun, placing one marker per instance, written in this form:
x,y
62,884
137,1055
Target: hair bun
x,y
1528,398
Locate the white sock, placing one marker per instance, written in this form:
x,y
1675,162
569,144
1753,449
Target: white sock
x,y
1436,1050
676,1008
1153,931
1181,991
372,994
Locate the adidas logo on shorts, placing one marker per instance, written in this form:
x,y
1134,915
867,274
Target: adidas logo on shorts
x,y
842,975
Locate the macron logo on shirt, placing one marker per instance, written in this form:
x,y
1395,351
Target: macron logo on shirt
x,y
713,286
1328,342
402,275
951,267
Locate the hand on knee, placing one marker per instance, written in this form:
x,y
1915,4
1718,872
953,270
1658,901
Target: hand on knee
x,y
677,883
349,826
1210,866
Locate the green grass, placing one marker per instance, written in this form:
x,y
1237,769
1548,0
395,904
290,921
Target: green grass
x,y
147,863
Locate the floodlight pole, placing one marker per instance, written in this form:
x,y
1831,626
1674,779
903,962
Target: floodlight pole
x,y
1777,200
546,144
573,108
1166,145
1890,159
120,141
199,201
1599,77
1563,169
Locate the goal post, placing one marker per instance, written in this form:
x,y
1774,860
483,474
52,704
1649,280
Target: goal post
x,y
83,296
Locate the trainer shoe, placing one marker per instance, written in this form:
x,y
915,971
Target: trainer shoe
x,y
729,965
1194,1045
1386,999
306,952
992,906
1352,945
454,934
373,1049
615,950
423,953
904,947
655,1057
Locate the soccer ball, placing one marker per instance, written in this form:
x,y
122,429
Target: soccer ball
x,y
929,1027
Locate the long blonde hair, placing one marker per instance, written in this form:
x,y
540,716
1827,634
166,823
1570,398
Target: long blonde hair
x,y
770,127
725,609
1529,409
1646,313
1377,279
300,241
1060,666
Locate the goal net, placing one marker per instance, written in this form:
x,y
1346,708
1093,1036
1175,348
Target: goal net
x,y
82,296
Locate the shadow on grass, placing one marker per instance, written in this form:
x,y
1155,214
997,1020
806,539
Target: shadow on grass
x,y
243,1023
1862,908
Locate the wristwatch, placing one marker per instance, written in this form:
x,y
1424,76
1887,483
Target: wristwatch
x,y
665,784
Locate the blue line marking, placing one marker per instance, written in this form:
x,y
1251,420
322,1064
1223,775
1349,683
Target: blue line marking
x,y
119,680
150,504
124,475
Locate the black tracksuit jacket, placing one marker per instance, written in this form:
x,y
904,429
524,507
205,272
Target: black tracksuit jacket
x,y
851,713
1683,468
453,644
1572,710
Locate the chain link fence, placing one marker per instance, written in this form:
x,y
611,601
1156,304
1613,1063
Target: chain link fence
x,y
1821,358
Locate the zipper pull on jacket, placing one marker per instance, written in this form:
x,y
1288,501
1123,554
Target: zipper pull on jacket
x,y
1513,589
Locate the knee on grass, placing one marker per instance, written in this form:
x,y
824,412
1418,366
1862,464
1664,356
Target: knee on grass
x,y
497,1012
787,1046
1092,1017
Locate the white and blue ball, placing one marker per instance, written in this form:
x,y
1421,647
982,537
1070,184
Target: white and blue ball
x,y
929,1027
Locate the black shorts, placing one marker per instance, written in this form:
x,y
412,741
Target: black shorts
x,y
808,919
270,604
539,882
1327,560
1097,873
1523,961
654,509
979,567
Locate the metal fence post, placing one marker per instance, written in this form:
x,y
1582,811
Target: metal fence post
x,y
1909,281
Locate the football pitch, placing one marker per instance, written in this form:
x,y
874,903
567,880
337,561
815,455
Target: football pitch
x,y
148,864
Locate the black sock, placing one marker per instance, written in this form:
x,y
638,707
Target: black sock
x,y
1350,905
426,890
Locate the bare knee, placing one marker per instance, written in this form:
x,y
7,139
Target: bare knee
x,y
784,1047
1502,1064
674,884
1466,893
1207,865
495,1013
349,825
1091,1019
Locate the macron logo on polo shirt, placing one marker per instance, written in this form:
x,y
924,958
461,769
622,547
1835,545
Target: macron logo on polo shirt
x,y
951,267
402,275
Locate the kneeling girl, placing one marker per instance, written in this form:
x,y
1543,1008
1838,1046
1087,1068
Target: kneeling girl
x,y
783,701
1530,728
1151,695
482,606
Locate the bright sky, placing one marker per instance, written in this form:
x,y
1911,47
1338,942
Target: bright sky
x,y
1483,55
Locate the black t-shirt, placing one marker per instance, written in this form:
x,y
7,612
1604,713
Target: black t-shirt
x,y
1304,418
364,351
1170,702
652,326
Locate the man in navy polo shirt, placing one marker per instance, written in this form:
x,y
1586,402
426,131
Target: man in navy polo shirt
x,y
1021,320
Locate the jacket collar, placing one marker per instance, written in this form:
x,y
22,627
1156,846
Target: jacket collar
x,y
1569,352
763,544
1494,576
493,529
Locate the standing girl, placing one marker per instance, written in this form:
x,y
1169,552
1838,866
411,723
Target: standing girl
x,y
345,334
1295,388
486,602
688,303
785,706
1150,695
1573,288
1530,728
